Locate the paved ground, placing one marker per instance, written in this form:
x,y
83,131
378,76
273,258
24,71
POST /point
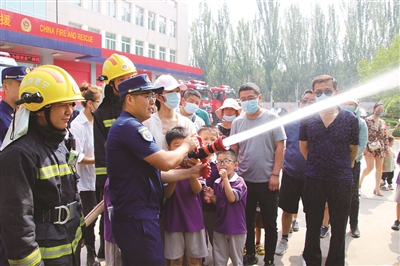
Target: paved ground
x,y
378,244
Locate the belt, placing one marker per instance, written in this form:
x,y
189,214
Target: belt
x,y
138,215
59,215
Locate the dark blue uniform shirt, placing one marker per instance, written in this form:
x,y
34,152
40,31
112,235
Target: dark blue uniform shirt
x,y
294,163
6,116
135,185
329,147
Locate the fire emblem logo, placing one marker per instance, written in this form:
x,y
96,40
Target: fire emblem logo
x,y
26,25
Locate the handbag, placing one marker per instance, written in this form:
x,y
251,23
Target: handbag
x,y
375,145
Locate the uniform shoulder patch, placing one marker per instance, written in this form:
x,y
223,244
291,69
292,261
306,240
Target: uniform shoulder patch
x,y
146,134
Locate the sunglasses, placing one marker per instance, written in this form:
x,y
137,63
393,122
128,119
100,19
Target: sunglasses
x,y
319,93
307,102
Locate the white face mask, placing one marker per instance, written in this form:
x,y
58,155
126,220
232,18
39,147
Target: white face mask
x,y
191,108
173,100
229,118
322,97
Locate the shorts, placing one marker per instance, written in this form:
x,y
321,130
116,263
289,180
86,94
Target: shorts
x,y
290,192
397,194
192,245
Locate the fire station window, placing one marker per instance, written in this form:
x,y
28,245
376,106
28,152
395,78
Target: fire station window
x,y
110,41
152,51
172,28
110,8
162,53
126,44
162,25
139,48
151,20
126,12
139,16
93,5
74,25
172,56
75,2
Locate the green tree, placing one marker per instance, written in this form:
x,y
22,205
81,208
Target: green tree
x,y
384,59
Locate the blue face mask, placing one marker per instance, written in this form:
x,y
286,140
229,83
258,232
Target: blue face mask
x,y
349,108
191,108
250,107
322,97
378,113
229,118
173,100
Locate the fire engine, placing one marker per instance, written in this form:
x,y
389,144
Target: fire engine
x,y
205,92
5,61
219,95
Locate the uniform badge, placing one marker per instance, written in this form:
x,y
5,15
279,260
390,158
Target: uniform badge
x,y
144,131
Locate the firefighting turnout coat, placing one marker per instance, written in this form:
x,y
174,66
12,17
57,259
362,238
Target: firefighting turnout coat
x,y
40,212
104,116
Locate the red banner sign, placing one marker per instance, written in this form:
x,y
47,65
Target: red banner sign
x,y
26,58
37,27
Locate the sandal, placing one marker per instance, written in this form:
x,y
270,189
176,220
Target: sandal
x,y
384,188
259,249
378,194
390,187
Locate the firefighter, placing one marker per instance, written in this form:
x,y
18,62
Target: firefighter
x,y
116,69
41,221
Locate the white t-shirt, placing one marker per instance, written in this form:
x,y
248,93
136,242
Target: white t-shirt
x,y
154,125
82,130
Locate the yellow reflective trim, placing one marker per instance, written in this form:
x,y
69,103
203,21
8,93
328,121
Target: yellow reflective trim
x,y
62,250
32,259
109,122
82,220
101,170
53,171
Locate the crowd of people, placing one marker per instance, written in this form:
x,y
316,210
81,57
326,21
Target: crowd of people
x,y
171,190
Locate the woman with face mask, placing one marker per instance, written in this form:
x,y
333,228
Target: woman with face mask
x,y
166,117
376,147
229,110
82,129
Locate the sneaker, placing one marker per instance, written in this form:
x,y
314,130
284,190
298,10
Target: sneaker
x,y
282,247
396,225
250,260
259,249
324,231
295,226
355,232
390,187
269,263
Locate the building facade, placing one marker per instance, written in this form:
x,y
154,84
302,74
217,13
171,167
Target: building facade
x,y
79,35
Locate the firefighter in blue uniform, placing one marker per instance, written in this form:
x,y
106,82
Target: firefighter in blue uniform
x,y
41,220
134,161
116,69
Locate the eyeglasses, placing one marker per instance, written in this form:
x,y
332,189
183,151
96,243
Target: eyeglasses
x,y
319,93
149,96
250,98
224,162
307,102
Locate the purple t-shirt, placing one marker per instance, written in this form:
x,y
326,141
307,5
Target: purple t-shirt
x,y
329,147
183,211
231,217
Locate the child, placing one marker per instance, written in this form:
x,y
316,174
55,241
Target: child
x,y
396,225
209,134
184,227
388,166
229,195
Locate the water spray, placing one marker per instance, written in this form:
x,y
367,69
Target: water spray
x,y
384,82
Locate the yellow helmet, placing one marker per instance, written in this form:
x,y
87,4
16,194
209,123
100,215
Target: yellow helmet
x,y
115,66
45,85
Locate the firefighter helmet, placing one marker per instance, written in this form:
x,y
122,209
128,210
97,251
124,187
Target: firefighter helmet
x,y
115,66
45,85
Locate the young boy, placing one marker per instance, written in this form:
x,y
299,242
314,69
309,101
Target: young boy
x,y
388,166
184,227
396,225
209,134
229,195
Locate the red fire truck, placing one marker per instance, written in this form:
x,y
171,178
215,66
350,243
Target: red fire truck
x,y
219,95
205,92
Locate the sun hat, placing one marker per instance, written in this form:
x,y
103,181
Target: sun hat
x,y
228,103
169,83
